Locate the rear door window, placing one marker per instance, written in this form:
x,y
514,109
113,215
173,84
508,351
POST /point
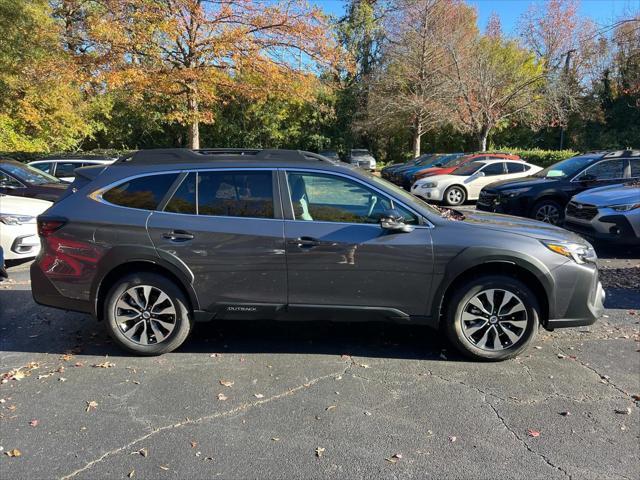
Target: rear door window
x,y
236,194
515,167
144,193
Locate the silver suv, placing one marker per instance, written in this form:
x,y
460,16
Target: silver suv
x,y
609,214
162,239
363,159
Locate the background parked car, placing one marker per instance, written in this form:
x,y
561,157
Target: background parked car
x,y
411,175
452,163
63,168
465,182
363,159
545,195
609,214
18,231
390,173
22,180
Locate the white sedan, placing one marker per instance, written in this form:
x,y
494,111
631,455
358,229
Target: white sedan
x,y
18,230
466,182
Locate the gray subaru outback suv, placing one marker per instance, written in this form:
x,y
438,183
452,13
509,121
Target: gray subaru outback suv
x,y
165,238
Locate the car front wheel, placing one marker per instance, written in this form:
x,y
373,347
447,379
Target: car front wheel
x,y
454,196
492,318
147,314
548,211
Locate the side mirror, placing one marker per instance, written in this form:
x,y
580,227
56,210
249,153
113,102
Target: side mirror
x,y
479,174
393,221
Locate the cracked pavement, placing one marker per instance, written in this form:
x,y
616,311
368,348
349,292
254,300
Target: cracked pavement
x,y
363,392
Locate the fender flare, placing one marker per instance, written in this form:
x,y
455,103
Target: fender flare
x,y
123,254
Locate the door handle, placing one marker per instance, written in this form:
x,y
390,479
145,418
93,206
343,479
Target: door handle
x,y
305,242
178,235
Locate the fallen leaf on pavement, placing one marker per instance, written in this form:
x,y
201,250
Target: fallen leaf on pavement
x,y
533,433
258,395
560,355
194,444
13,453
453,439
623,411
143,451
91,405
226,383
565,414
131,473
222,397
104,365
275,439
330,407
319,451
34,423
164,468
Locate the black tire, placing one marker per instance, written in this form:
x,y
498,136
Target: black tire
x,y
544,210
465,293
457,192
183,317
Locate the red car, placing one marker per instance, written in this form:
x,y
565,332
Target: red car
x,y
451,165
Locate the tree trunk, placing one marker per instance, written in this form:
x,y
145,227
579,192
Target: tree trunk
x,y
482,139
194,124
417,136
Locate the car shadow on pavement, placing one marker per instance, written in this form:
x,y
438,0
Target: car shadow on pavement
x,y
27,327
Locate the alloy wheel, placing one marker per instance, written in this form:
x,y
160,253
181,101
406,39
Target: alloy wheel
x,y
454,196
145,315
548,213
494,319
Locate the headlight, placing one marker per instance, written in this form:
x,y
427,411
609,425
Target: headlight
x,y
15,219
514,193
429,185
578,252
624,207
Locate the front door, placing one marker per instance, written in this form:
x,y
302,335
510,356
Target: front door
x,y
339,256
477,182
224,225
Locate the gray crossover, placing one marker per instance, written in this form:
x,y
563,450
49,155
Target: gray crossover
x,y
165,238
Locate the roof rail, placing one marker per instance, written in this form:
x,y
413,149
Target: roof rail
x,y
185,155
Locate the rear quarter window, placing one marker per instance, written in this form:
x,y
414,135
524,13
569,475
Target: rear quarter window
x,y
144,193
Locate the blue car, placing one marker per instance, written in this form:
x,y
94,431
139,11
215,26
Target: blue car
x,y
389,171
396,173
404,177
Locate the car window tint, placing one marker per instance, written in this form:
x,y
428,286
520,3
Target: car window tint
x,y
635,167
43,167
7,181
330,198
494,169
142,192
515,167
184,199
236,194
606,170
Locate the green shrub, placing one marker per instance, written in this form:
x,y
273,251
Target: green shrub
x,y
543,158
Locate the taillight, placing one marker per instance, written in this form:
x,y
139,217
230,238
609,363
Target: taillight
x,y
48,225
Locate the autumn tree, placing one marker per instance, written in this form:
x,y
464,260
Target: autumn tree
x,y
191,53
42,106
409,87
495,81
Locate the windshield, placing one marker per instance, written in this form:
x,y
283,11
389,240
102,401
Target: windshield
x,y
468,169
428,160
402,193
29,174
565,168
454,162
360,153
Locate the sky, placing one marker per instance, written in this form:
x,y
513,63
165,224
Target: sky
x,y
603,12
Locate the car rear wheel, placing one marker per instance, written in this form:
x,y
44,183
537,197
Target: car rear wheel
x,y
454,196
147,314
492,318
548,211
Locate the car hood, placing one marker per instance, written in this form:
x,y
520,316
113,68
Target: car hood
x,y
521,183
518,225
22,205
610,195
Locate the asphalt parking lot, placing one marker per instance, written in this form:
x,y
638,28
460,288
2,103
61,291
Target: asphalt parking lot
x,y
289,400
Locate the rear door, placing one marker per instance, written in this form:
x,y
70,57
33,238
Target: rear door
x,y
227,227
339,256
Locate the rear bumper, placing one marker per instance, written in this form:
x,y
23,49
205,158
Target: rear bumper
x,y
45,293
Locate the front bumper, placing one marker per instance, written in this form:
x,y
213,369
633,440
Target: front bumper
x,y
427,193
610,228
494,202
578,297
19,241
